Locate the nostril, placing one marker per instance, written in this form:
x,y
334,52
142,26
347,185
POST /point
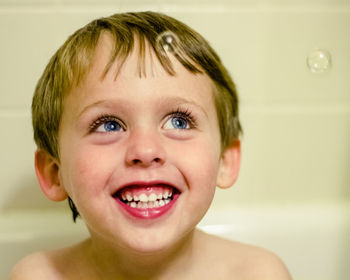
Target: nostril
x,y
145,153
156,160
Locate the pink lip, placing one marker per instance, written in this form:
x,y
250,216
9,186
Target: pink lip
x,y
146,184
148,213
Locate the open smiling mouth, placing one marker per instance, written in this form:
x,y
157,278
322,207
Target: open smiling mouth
x,y
147,201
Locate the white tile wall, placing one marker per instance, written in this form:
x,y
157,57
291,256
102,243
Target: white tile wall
x,y
297,124
293,157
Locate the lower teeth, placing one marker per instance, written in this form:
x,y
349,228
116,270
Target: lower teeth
x,y
150,204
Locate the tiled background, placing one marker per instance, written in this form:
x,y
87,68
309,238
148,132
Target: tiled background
x,y
296,145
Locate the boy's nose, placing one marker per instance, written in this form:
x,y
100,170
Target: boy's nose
x,y
145,150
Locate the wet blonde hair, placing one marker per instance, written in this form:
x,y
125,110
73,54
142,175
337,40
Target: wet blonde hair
x,y
73,59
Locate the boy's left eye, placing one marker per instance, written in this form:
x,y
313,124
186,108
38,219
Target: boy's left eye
x,y
181,120
177,123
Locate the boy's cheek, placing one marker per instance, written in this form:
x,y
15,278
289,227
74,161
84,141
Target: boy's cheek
x,y
198,160
81,168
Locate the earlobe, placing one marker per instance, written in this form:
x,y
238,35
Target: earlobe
x,y
229,165
47,172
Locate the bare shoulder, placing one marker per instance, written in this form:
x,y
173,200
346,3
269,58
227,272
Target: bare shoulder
x,y
35,266
247,262
259,263
58,264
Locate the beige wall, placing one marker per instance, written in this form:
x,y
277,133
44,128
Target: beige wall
x,y
296,146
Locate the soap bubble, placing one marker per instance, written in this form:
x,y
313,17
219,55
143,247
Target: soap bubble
x,y
318,61
168,41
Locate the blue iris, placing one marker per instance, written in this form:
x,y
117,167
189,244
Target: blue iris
x,y
111,126
179,123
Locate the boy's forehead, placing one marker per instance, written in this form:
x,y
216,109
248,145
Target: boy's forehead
x,y
102,55
136,66
139,62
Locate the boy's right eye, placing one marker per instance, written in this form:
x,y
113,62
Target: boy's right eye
x,y
106,124
109,126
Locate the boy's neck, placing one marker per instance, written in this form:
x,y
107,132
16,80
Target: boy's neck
x,y
110,262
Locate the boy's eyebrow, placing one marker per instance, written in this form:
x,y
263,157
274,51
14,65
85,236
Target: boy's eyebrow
x,y
180,100
173,100
86,108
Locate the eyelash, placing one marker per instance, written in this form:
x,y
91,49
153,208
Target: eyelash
x,y
186,114
181,113
101,120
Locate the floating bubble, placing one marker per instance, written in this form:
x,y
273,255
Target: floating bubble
x,y
168,41
318,61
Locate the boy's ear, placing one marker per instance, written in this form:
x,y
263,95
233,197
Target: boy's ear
x,y
229,165
47,172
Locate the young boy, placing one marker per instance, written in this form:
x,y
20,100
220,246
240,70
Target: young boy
x,y
136,123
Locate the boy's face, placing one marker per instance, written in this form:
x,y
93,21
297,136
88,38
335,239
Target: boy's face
x,y
135,138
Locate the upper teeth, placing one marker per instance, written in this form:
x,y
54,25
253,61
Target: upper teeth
x,y
146,198
143,198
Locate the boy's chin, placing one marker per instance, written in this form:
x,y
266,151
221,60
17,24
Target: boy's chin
x,y
148,245
149,242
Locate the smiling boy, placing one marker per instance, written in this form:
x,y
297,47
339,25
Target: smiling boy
x,y
136,122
